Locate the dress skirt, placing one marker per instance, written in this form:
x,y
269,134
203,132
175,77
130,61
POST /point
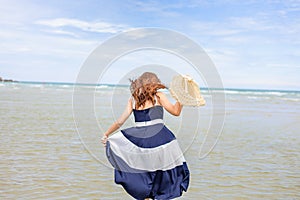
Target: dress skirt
x,y
148,161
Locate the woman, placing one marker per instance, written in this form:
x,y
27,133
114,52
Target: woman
x,y
148,161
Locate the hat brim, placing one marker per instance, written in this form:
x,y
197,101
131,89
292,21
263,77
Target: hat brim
x,y
185,90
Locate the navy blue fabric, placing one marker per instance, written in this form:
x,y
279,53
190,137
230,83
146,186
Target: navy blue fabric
x,y
156,185
150,136
155,112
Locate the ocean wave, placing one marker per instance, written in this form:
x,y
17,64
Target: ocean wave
x,y
36,86
291,99
66,86
102,86
264,94
247,93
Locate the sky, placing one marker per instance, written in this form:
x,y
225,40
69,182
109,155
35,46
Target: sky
x,y
253,44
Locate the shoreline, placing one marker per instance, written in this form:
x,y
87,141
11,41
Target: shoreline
x,y
121,85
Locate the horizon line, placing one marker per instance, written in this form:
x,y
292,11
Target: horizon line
x,y
123,85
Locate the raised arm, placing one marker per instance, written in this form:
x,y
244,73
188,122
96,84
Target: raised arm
x,y
174,109
120,121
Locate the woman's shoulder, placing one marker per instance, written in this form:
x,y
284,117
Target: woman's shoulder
x,y
160,94
161,97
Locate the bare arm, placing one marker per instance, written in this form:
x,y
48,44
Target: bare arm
x,y
117,124
174,109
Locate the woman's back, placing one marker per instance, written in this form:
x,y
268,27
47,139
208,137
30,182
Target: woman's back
x,y
148,114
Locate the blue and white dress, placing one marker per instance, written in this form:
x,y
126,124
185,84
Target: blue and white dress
x,y
147,159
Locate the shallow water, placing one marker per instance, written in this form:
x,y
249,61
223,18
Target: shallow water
x,y
45,156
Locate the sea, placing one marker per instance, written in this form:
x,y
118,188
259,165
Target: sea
x,y
243,144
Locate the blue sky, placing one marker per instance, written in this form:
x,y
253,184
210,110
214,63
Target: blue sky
x,y
254,44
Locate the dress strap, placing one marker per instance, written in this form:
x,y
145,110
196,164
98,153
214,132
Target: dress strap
x,y
156,102
133,102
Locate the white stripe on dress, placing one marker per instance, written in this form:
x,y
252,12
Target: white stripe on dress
x,y
148,123
163,157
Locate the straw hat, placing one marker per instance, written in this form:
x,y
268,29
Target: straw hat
x,y
185,90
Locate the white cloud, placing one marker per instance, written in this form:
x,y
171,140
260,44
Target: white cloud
x,y
99,27
39,43
224,57
62,32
